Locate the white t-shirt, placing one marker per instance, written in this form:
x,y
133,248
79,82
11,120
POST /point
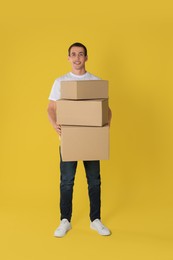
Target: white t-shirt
x,y
55,93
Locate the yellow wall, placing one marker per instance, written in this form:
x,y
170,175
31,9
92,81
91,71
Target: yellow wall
x,y
130,43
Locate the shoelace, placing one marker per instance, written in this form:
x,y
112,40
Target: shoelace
x,y
100,224
62,225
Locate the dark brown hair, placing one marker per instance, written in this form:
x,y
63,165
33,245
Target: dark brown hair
x,y
77,44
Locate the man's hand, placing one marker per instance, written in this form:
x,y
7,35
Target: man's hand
x,y
57,128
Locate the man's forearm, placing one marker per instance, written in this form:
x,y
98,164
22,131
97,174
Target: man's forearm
x,y
52,117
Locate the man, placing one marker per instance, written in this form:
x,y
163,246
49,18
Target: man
x,y
77,56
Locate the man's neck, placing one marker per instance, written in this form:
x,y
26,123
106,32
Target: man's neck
x,y
79,72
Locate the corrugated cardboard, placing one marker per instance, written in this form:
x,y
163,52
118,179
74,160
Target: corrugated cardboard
x,y
82,112
84,143
84,89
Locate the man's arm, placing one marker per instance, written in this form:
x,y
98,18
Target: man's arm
x,y
52,116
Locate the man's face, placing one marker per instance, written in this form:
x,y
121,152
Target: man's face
x,y
77,58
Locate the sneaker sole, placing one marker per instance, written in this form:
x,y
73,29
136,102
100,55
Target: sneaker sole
x,y
93,228
63,234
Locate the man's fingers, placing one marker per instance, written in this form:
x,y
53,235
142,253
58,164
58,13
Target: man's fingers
x,y
58,129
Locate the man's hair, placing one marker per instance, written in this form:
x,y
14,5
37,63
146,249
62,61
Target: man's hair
x,y
77,44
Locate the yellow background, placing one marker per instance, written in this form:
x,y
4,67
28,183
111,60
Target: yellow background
x,y
130,43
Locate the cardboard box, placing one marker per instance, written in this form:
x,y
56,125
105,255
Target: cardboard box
x,y
82,112
84,143
84,89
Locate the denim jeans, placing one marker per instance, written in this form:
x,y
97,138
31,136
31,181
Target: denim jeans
x,y
68,171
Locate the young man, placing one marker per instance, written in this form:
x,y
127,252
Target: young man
x,y
77,56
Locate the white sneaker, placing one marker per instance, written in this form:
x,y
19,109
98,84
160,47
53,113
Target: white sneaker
x,y
63,228
99,227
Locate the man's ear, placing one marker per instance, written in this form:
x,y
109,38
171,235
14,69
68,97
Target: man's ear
x,y
86,58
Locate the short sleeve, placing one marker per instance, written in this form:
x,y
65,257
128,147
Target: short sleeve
x,y
55,91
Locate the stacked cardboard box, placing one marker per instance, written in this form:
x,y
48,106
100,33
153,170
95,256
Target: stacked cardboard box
x,y
82,113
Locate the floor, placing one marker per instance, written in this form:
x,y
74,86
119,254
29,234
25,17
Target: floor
x,y
27,234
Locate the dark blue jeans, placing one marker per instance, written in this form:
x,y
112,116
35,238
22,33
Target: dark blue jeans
x,y
68,171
